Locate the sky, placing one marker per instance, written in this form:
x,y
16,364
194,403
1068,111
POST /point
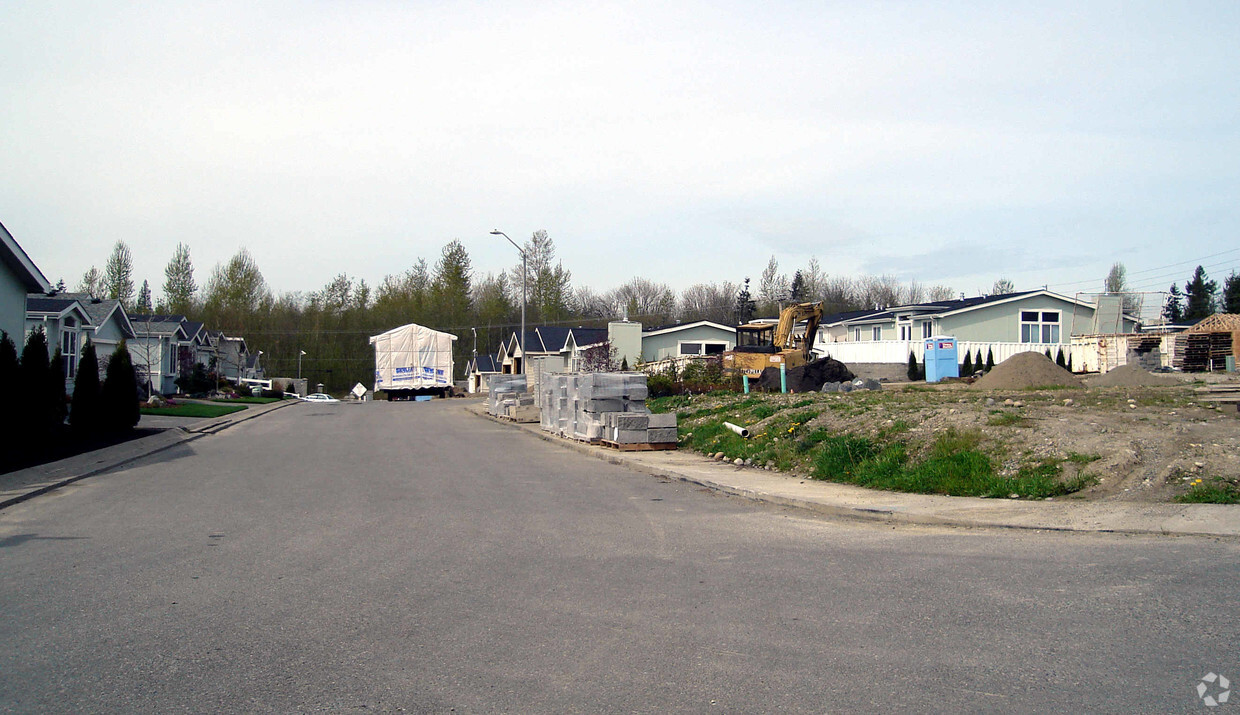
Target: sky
x,y
948,143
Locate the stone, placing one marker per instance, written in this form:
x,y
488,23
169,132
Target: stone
x,y
666,419
738,462
661,435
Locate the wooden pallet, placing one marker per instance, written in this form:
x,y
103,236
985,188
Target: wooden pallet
x,y
640,446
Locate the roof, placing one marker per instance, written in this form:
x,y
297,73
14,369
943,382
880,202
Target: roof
x,y
52,304
677,327
1217,323
144,324
485,363
951,307
101,310
554,338
12,255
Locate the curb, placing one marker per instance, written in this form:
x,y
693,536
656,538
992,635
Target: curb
x,y
882,514
44,477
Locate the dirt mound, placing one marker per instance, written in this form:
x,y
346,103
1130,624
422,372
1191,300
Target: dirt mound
x,y
1131,375
1028,369
807,378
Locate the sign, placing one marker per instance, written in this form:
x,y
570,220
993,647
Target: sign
x,y
359,390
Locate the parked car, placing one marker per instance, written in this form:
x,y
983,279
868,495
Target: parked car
x,y
319,397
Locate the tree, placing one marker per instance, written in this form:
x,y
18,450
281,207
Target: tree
x,y
1117,283
796,293
10,384
548,284
118,400
745,306
642,300
1173,311
144,299
236,292
939,293
967,369
118,275
1059,359
708,301
91,283
990,359
1199,296
1003,286
31,390
813,279
56,397
84,412
772,289
451,286
179,285
913,368
1231,293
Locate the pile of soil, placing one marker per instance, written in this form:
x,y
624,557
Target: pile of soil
x,y
807,378
1028,369
1131,375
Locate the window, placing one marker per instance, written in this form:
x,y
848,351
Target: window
x,y
927,329
906,331
702,348
69,351
1039,326
857,334
690,348
877,333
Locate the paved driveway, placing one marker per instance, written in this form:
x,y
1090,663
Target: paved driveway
x,y
410,556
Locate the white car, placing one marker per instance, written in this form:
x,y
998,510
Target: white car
x,y
319,397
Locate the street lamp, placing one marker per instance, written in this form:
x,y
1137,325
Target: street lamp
x,y
303,352
521,342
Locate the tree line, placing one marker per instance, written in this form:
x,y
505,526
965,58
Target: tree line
x,y
331,325
1200,298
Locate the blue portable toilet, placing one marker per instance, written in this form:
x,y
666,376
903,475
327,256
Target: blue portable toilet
x,y
941,358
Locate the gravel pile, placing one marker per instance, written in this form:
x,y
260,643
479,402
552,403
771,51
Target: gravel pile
x,y
1028,369
1131,375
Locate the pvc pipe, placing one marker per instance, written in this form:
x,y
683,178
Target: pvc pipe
x,y
737,429
745,382
783,379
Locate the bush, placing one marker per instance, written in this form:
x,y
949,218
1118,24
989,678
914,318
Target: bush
x,y
967,369
243,390
195,381
118,401
84,412
32,387
9,383
56,397
1059,359
913,369
990,359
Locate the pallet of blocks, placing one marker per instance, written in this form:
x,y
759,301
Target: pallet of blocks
x,y
604,407
507,398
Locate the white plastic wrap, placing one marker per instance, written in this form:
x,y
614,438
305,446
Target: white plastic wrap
x,y
412,357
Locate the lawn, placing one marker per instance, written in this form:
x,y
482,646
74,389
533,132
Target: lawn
x,y
193,410
246,400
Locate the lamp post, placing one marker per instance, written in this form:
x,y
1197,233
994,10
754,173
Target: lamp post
x,y
303,352
521,342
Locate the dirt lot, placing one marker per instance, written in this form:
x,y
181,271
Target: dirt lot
x,y
1138,442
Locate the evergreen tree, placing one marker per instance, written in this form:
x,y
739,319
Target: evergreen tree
x,y
10,384
967,368
1173,311
913,368
1059,359
1199,296
118,400
56,397
118,275
84,412
31,388
179,285
797,291
977,360
1231,293
144,299
990,359
745,305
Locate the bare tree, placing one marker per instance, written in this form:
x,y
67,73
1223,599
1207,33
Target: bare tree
x,y
642,300
708,301
1003,286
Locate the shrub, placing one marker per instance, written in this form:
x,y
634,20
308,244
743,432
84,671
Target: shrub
x,y
1059,359
56,397
9,377
913,368
967,369
990,359
243,390
84,412
118,401
195,381
32,388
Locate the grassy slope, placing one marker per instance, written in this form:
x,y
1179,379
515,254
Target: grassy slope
x,y
193,410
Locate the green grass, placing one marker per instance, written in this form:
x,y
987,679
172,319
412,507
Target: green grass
x,y
193,410
247,400
1211,491
1007,419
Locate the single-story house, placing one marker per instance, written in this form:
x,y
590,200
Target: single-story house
x,y
1009,323
231,355
19,277
109,323
65,322
478,369
160,349
699,338
564,349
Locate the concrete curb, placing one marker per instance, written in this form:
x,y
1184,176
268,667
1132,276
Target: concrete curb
x,y
44,478
846,501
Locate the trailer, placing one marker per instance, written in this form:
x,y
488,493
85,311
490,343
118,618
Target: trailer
x,y
413,361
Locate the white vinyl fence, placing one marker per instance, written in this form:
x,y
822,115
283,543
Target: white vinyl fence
x,y
896,351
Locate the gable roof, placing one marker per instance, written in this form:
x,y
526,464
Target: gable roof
x,y
53,305
146,325
551,339
1217,323
101,311
677,327
484,363
12,255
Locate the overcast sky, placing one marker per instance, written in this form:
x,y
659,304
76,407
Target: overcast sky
x,y
950,143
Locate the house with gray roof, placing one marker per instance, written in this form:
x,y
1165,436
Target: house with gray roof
x,y
160,350
66,324
19,277
109,323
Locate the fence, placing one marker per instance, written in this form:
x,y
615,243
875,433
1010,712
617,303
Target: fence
x,y
896,351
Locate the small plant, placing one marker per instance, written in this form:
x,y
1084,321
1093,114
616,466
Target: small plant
x,y
1213,490
1007,419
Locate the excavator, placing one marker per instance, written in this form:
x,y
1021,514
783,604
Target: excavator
x,y
763,345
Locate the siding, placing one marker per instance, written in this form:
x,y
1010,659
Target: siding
x,y
12,305
657,347
1001,323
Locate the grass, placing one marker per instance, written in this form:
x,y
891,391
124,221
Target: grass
x,y
1214,491
193,410
1007,419
247,400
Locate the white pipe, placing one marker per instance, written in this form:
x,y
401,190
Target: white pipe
x,y
737,429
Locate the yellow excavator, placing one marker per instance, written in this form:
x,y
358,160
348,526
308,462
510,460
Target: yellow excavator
x,y
763,345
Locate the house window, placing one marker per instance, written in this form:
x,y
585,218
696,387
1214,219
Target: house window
x,y
690,348
1039,326
906,331
927,329
69,351
857,334
876,332
702,348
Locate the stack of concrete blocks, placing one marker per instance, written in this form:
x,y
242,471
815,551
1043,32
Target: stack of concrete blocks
x,y
607,406
506,395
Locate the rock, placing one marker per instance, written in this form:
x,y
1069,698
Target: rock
x,y
739,462
1013,496
748,462
869,384
1018,403
846,387
990,401
830,387
1068,402
1008,402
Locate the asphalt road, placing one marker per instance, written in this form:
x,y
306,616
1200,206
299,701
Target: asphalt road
x,y
413,557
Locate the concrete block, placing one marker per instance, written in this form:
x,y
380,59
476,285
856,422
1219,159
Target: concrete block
x,y
639,407
603,405
630,420
667,419
661,435
630,436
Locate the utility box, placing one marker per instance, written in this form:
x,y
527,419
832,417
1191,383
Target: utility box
x,y
941,358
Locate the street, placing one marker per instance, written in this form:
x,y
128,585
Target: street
x,y
412,556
